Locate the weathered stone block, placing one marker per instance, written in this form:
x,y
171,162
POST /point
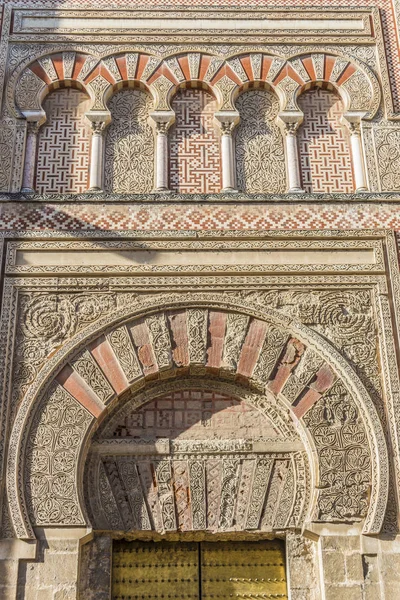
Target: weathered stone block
x,y
343,592
354,567
66,594
390,568
341,543
59,569
372,592
334,567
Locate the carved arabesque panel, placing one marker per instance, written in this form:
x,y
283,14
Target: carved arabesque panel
x,y
344,456
129,147
53,446
387,144
260,155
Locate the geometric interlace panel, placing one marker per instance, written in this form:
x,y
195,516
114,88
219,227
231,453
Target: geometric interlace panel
x,y
64,142
324,144
195,163
151,571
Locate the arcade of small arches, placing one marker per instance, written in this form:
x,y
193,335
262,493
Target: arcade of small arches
x,y
194,123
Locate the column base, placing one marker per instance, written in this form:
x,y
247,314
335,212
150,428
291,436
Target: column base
x,y
296,191
28,191
161,191
362,190
95,190
229,191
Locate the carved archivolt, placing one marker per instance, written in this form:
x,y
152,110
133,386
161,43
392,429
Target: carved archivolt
x,y
306,390
357,86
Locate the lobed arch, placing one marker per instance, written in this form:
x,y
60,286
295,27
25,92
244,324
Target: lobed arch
x,y
175,337
356,84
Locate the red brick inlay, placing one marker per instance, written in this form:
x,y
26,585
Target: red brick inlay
x,y
293,353
79,389
251,348
16,216
216,330
108,362
179,338
324,380
141,339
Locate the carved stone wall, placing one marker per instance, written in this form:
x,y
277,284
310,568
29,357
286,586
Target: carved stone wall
x,y
52,452
387,143
323,144
340,440
195,164
199,364
64,141
129,146
260,156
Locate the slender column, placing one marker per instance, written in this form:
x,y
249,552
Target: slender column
x,y
227,120
161,175
96,157
163,120
357,155
227,157
28,178
292,157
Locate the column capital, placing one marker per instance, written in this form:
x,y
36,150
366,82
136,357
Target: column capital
x,y
33,127
99,119
98,127
355,128
290,121
163,119
352,120
227,120
291,128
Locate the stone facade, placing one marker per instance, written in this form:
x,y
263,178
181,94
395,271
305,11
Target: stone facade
x,y
199,215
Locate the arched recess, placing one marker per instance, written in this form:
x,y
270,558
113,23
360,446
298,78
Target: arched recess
x,y
259,145
64,143
324,143
194,145
129,143
194,454
283,364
